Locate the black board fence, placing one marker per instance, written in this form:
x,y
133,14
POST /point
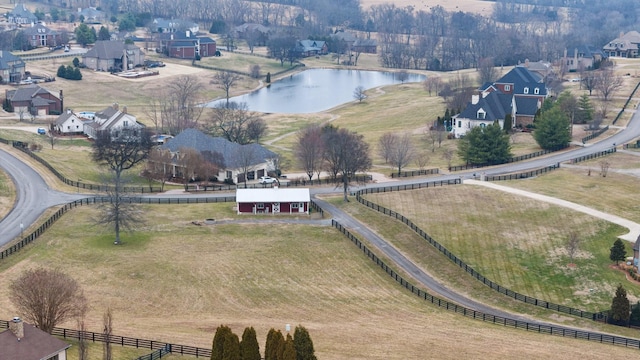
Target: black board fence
x,y
415,173
595,134
158,354
511,160
477,315
471,271
626,104
593,156
126,341
522,175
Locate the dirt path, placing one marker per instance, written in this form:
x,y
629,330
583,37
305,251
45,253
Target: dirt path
x,y
634,228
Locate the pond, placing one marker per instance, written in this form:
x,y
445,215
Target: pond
x,y
315,90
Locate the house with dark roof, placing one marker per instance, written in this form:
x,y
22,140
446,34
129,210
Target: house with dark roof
x,y
582,57
174,25
111,119
12,68
26,342
186,45
34,100
21,15
39,35
626,45
308,48
254,157
519,93
356,44
258,33
108,55
68,123
92,15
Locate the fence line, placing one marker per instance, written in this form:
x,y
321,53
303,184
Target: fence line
x,y
471,271
415,173
597,133
593,156
126,341
511,160
522,175
477,315
158,354
625,104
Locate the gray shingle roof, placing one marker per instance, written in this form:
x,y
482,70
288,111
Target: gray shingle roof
x,y
35,345
27,93
106,49
230,151
519,75
21,11
526,105
8,60
496,106
39,29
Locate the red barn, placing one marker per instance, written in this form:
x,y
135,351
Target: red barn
x,y
273,201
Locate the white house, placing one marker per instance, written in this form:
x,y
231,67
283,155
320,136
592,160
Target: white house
x,y
273,200
110,118
69,123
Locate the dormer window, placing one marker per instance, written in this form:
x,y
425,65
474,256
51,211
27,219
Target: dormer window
x,y
536,91
526,90
481,114
507,87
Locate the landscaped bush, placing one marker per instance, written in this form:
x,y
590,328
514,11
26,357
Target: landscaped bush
x,y
69,73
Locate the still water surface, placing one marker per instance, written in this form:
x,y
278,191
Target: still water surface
x,y
315,90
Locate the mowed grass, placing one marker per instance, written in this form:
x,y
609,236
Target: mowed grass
x,y
96,350
177,282
7,194
517,243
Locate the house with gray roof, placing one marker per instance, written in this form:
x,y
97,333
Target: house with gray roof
x,y
92,15
39,35
186,45
110,119
582,57
484,109
26,342
173,25
108,55
21,15
256,159
12,68
34,100
308,48
626,45
68,123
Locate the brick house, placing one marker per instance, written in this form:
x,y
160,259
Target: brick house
x,y
39,35
12,68
186,45
108,55
34,100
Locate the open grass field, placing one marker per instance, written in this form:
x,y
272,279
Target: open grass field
x,y
7,194
252,275
516,242
482,7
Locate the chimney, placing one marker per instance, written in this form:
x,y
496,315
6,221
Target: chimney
x,y
61,100
17,327
188,33
124,109
115,106
475,99
68,111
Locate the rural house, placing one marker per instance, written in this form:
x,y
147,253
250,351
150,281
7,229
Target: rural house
x,y
12,68
272,200
68,123
174,25
110,119
34,100
519,93
256,32
21,15
108,55
39,35
583,58
186,45
254,157
308,48
626,45
92,15
26,342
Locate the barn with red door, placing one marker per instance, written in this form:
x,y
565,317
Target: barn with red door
x,y
273,201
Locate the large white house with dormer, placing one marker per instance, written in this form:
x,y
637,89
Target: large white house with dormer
x,y
110,119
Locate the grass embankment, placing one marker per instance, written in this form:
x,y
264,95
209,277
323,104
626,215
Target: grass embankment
x,y
516,242
7,194
174,281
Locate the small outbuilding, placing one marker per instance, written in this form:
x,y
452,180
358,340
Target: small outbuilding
x,y
273,200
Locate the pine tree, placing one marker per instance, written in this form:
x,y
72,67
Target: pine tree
x,y
231,347
273,348
62,72
552,129
618,253
585,110
508,123
249,348
303,344
635,314
217,350
289,352
620,307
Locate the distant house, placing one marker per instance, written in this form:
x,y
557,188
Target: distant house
x,y
582,58
21,15
356,44
35,100
175,25
111,119
68,123
273,200
255,157
12,68
40,35
308,48
186,45
92,15
256,32
113,56
626,45
26,342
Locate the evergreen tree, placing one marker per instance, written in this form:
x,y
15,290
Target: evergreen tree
x,y
77,75
617,251
217,350
635,314
485,145
268,80
303,344
249,348
62,72
231,347
552,129
76,62
289,352
620,307
273,344
85,35
585,110
508,123
103,34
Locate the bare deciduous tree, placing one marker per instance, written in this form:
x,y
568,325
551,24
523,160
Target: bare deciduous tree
x,y
231,122
256,128
386,144
447,154
182,104
47,297
157,167
246,157
604,167
572,245
346,153
107,332
487,70
608,83
254,70
432,84
190,161
397,150
421,160
225,80
359,94
117,210
402,75
309,149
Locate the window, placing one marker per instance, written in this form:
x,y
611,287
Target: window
x,y
483,125
507,87
459,124
229,175
260,206
536,91
72,120
68,127
294,205
125,123
526,90
481,114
